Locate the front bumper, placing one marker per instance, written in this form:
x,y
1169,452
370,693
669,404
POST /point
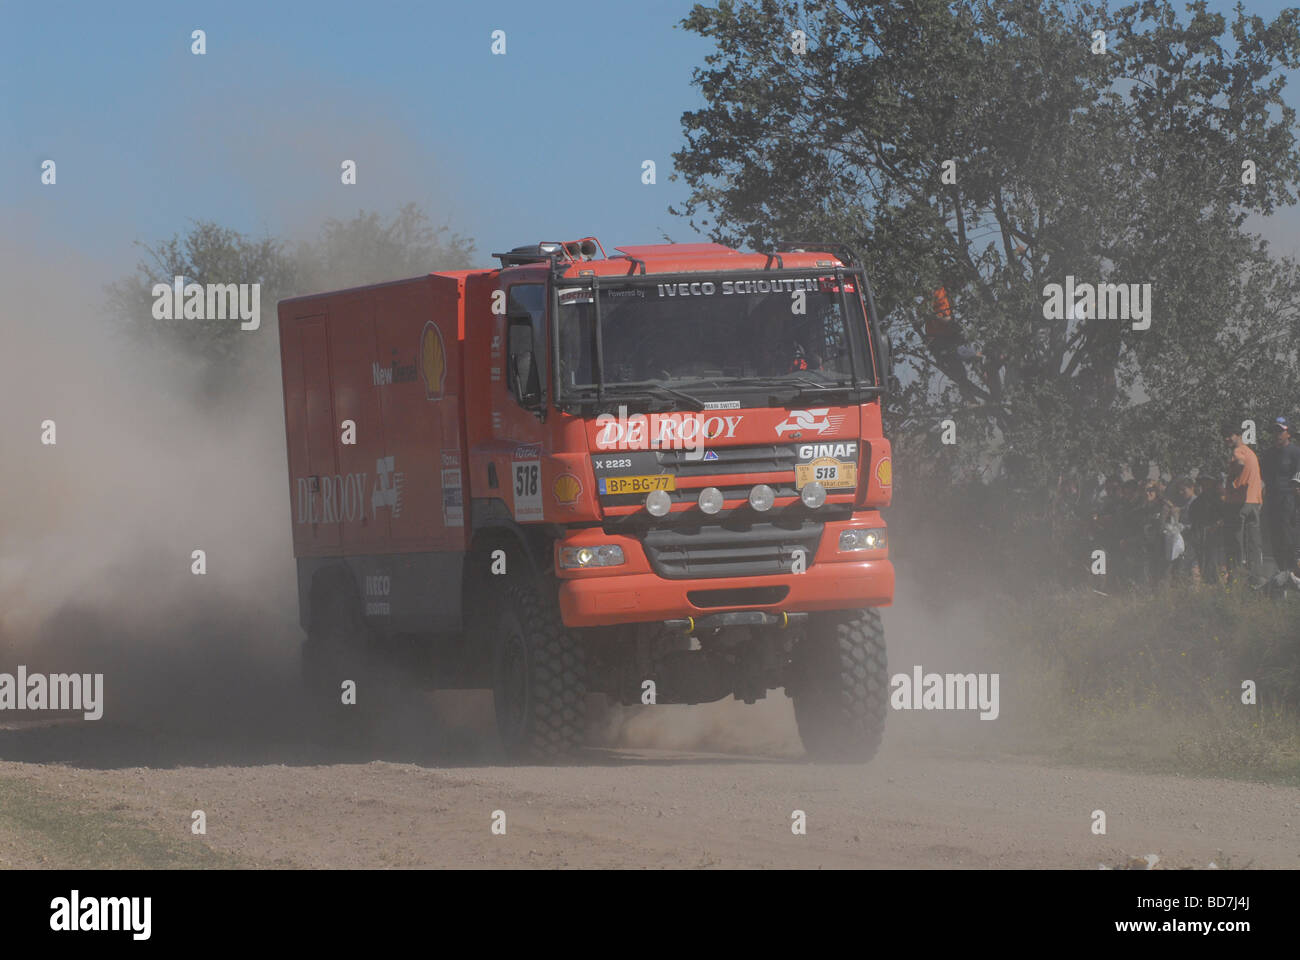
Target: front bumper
x,y
634,593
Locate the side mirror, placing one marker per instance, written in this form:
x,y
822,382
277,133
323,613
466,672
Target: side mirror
x,y
886,360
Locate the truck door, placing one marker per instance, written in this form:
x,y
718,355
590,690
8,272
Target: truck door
x,y
525,376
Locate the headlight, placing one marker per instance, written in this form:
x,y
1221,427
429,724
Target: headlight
x,y
710,500
762,497
601,555
813,495
862,539
658,503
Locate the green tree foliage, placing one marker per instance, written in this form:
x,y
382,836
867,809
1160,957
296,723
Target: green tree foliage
x,y
1117,167
369,249
207,253
365,249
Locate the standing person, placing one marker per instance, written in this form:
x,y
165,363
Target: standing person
x,y
1066,527
1155,566
1191,535
1277,465
1106,527
1128,533
944,337
1295,566
1114,483
1244,498
1207,527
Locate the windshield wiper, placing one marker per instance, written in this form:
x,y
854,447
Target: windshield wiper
x,y
801,383
654,386
802,386
806,384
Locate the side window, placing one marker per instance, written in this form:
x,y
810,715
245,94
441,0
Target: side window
x,y
526,345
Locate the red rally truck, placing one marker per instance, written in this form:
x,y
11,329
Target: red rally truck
x,y
654,475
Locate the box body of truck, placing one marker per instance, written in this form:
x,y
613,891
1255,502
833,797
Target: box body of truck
x,y
374,417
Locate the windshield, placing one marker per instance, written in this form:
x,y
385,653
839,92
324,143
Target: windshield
x,y
712,331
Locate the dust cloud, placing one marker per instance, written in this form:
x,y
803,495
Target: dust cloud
x,y
941,634
97,531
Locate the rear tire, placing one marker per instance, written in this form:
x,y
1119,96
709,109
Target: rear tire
x,y
539,676
339,648
841,689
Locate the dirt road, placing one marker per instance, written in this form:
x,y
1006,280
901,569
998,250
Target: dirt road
x,y
85,795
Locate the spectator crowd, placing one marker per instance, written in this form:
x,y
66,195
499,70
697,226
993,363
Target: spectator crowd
x,y
1213,527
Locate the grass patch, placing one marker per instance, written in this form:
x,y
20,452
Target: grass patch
x,y
70,836
1156,680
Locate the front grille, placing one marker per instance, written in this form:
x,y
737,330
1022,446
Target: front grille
x,y
766,458
735,547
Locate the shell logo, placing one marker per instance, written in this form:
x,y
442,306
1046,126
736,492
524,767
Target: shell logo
x,y
433,361
885,472
567,488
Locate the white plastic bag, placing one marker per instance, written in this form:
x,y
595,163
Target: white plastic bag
x,y
1174,546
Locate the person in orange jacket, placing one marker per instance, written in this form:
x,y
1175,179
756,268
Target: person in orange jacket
x,y
1244,498
944,337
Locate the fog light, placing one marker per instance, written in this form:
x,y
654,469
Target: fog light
x,y
710,500
658,503
762,497
813,495
601,555
862,539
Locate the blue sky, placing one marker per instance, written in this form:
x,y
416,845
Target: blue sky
x,y
544,142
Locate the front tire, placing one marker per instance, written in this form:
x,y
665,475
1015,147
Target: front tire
x,y
539,676
841,690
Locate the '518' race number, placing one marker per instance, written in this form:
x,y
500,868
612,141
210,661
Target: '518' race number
x,y
526,475
528,489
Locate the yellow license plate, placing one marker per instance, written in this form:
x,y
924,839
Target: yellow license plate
x,y
826,471
614,486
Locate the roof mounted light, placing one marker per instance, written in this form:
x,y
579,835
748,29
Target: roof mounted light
x,y
572,251
584,249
